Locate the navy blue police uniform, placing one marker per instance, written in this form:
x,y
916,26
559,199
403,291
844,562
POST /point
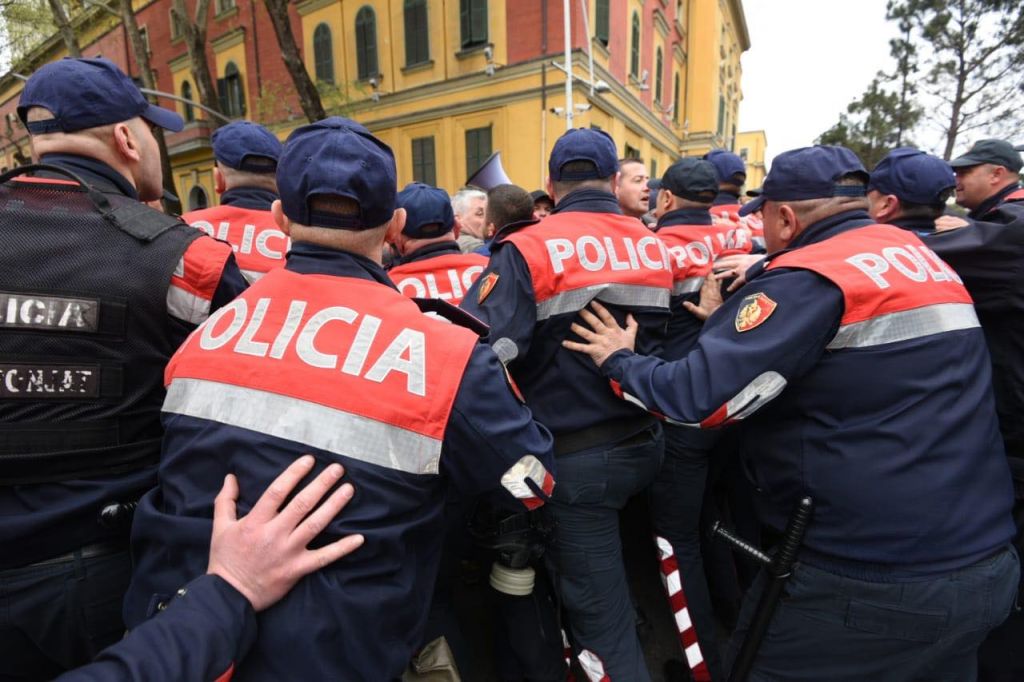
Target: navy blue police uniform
x,y
607,450
912,513
988,256
89,318
407,403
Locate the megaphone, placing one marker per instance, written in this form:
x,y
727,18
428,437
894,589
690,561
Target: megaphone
x,y
489,175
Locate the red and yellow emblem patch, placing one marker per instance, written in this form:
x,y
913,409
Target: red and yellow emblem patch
x,y
754,310
486,287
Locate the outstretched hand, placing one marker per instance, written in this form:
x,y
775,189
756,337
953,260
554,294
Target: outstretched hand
x,y
603,335
264,554
710,299
736,266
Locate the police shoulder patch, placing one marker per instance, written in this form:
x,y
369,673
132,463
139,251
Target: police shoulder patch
x,y
754,310
486,287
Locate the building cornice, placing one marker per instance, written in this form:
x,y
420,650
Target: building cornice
x,y
741,24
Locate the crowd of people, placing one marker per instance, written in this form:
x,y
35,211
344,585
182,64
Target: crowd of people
x,y
263,437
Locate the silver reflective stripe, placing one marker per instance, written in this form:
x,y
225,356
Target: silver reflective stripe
x,y
305,422
904,325
187,306
762,390
616,294
252,276
506,350
687,286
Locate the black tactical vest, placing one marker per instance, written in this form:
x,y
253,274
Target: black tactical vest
x,y
84,333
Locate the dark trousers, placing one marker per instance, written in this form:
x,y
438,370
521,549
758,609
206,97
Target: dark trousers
x,y
828,627
58,616
585,552
676,501
999,658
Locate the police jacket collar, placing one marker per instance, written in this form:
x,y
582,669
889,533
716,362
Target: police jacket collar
x,y
511,228
684,216
588,200
311,259
724,198
255,198
817,232
993,201
93,171
445,248
918,226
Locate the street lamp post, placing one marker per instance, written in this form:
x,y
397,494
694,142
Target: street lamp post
x,y
568,64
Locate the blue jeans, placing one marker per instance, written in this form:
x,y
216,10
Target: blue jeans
x,y
829,627
585,552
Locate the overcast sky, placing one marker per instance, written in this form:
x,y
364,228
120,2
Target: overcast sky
x,y
807,60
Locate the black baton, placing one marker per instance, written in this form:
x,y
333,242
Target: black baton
x,y
778,569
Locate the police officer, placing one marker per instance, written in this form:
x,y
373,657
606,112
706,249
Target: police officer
x,y
693,240
607,449
988,178
96,292
210,623
732,173
325,356
246,159
840,354
910,188
431,264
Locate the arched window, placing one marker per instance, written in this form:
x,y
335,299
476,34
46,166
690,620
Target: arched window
x,y
675,99
417,41
186,93
602,21
366,43
197,199
658,63
473,22
323,54
634,47
231,92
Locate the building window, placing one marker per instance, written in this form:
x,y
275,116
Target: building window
x,y
323,54
175,25
680,12
601,21
424,168
197,199
186,93
473,18
631,152
634,47
675,99
417,41
225,6
658,64
144,35
721,114
744,153
231,92
366,43
654,168
478,148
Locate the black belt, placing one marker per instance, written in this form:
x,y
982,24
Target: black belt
x,y
611,432
88,552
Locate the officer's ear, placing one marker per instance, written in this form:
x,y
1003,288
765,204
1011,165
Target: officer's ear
x,y
126,142
549,187
395,226
220,184
787,224
280,218
663,204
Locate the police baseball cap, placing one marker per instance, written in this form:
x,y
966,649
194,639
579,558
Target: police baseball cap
x,y
998,152
809,173
689,178
583,144
727,165
337,157
913,176
540,195
87,93
428,211
246,146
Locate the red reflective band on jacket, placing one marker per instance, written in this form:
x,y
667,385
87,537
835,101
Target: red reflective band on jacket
x,y
577,257
1016,195
195,279
227,674
341,364
258,243
894,287
752,224
445,277
692,250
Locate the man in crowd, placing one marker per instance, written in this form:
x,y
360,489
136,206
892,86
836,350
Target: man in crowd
x,y
509,208
98,291
632,190
839,354
470,207
246,159
607,449
325,356
431,264
988,178
543,204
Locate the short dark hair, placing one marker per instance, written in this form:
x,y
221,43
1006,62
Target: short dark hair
x,y
925,211
508,204
631,159
563,187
